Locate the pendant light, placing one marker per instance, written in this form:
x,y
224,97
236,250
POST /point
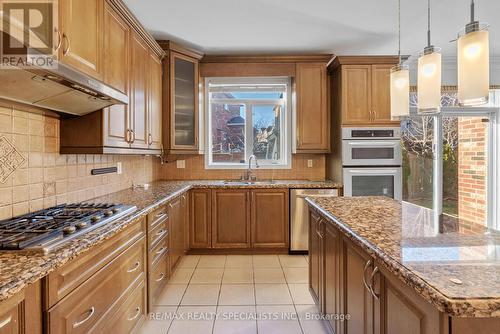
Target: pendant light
x,y
473,63
400,82
429,74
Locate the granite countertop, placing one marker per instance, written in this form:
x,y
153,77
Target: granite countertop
x,y
20,268
426,256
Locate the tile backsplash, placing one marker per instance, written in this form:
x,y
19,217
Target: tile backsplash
x,y
33,175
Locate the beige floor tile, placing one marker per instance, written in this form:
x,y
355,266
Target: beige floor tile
x,y
239,261
212,261
181,275
300,294
280,319
237,275
189,261
296,275
171,294
293,261
310,320
201,294
159,320
195,320
272,294
235,319
207,276
268,275
266,261
237,294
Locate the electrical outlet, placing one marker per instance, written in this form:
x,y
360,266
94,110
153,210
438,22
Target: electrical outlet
x,y
309,163
181,163
118,167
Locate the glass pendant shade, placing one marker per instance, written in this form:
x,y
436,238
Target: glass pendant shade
x,y
473,67
400,92
429,81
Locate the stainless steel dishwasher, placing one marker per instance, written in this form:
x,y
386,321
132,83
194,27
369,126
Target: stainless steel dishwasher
x,y
299,219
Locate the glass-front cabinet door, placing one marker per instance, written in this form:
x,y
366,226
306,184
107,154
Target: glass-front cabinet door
x,y
184,102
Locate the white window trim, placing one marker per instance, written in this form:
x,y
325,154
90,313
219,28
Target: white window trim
x,y
287,135
493,173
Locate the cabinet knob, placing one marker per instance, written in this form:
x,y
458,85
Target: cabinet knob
x,y
150,139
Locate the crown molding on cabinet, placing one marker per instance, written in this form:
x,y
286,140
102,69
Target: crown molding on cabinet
x,y
267,58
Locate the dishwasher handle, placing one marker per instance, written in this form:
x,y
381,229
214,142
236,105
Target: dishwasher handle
x,y
317,196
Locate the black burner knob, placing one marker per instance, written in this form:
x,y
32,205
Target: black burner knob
x,y
81,225
108,213
69,230
115,210
95,219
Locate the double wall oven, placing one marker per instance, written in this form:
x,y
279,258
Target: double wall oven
x,y
371,161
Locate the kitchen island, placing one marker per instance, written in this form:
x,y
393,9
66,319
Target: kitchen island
x,y
394,270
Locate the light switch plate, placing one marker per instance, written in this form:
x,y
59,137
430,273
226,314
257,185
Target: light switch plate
x,y
118,168
309,163
181,163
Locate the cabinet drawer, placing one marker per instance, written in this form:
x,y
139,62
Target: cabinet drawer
x,y
156,216
130,314
158,278
157,233
157,251
82,309
65,279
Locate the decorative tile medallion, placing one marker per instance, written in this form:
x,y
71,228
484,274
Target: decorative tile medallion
x,y
10,159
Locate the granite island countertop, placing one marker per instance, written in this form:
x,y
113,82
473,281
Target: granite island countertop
x,y
427,257
20,268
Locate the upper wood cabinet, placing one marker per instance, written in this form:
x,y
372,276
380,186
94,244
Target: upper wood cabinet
x,y
313,120
81,33
230,218
363,91
269,218
180,99
154,103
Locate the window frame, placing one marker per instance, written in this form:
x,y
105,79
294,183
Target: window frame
x,y
286,131
493,149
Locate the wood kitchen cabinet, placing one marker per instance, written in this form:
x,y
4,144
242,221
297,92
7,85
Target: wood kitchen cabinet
x,y
180,99
22,313
316,258
362,90
81,35
313,120
269,218
200,219
230,218
332,284
178,226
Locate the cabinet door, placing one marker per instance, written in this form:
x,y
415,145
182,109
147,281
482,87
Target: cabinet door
x,y
22,313
312,108
81,27
358,299
315,263
332,275
230,219
356,94
183,102
139,81
154,102
381,95
200,219
176,231
269,218
116,74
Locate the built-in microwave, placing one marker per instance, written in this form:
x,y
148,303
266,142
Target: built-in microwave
x,y
373,181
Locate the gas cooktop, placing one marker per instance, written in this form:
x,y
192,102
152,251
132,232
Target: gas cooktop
x,y
48,229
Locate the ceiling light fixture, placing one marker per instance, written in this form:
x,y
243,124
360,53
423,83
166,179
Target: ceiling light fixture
x,y
429,74
473,63
400,82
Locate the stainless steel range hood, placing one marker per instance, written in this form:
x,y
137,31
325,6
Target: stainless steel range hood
x,y
60,88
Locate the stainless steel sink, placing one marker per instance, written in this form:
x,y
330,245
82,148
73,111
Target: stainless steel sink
x,y
242,182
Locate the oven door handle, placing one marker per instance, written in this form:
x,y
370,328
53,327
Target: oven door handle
x,y
374,172
374,144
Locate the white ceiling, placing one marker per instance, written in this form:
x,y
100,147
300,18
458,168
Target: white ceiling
x,y
343,27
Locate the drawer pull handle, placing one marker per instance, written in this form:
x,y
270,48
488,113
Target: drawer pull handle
x,y
372,277
5,322
161,250
368,263
91,312
162,276
137,313
160,232
161,215
136,266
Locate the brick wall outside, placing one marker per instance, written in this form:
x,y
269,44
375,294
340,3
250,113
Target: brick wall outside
x,y
472,170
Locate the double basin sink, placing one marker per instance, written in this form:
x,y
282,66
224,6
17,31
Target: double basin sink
x,y
247,182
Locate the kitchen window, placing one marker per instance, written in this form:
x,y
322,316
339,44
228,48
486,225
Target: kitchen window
x,y
245,117
456,175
